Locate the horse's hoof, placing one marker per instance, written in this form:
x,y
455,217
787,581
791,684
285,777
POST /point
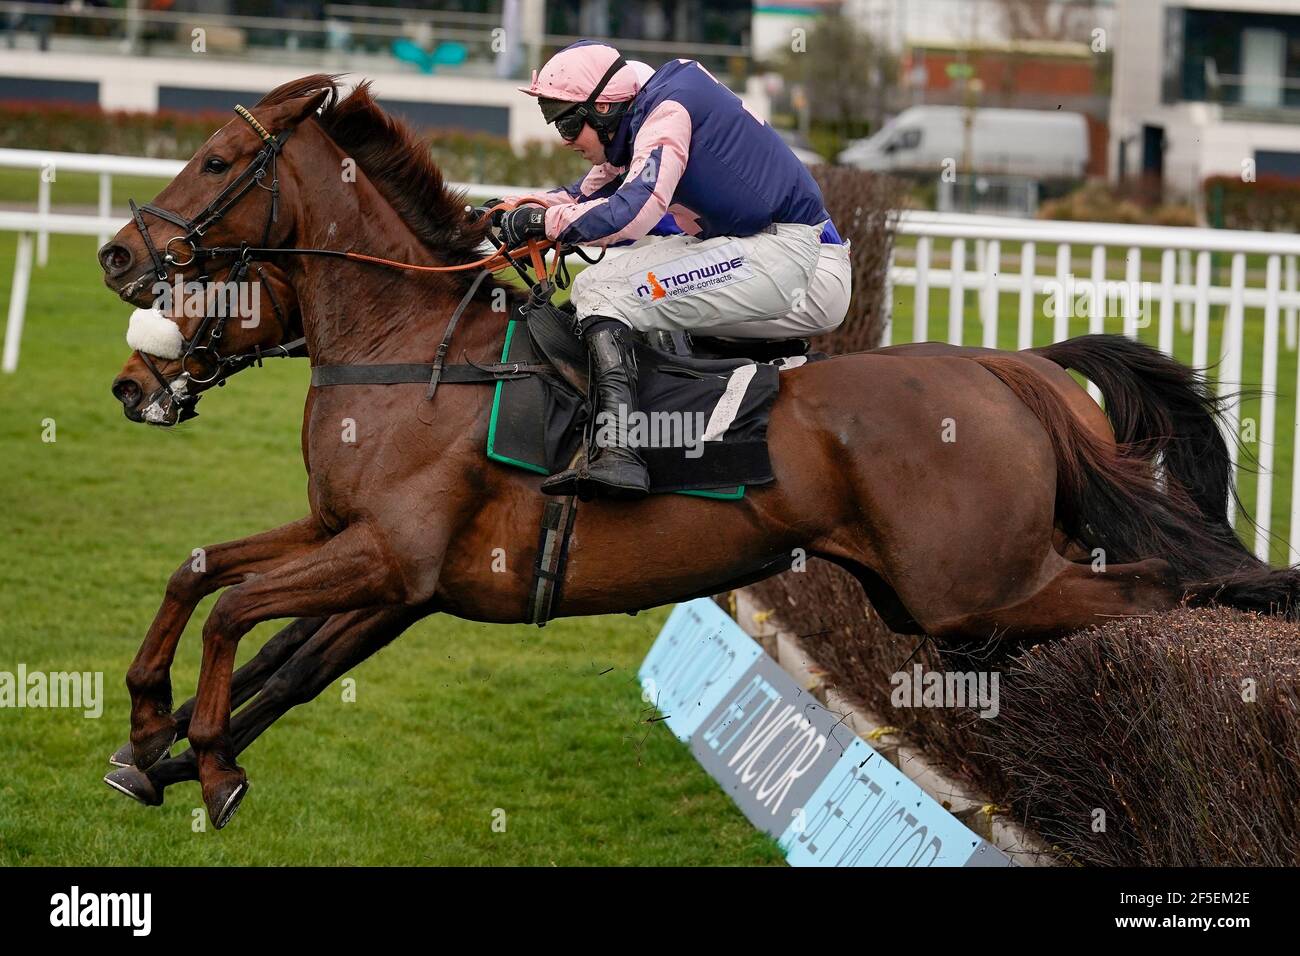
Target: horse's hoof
x,y
124,756
226,801
154,748
136,785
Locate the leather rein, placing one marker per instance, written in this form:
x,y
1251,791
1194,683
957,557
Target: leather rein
x,y
254,176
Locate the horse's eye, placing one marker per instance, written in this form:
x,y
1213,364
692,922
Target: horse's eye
x,y
215,164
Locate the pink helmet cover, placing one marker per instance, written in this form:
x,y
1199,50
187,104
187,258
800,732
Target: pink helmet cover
x,y
574,72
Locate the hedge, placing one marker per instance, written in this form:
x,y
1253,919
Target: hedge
x,y
1167,740
1271,203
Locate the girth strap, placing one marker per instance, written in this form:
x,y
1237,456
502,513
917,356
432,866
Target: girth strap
x,y
552,552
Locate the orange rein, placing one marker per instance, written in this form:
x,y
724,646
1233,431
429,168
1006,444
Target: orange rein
x,y
494,262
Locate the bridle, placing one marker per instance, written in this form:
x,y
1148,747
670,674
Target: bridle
x,y
253,176
211,214
203,347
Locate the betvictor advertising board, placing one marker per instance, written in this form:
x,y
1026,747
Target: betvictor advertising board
x,y
791,765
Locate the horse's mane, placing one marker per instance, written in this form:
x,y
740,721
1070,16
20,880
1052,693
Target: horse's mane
x,y
396,161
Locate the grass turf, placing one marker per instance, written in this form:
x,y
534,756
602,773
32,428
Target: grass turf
x,y
450,723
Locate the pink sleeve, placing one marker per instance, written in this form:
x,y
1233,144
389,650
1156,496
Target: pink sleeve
x,y
659,157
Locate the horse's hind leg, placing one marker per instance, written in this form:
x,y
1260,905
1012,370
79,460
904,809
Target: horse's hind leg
x,y
1075,597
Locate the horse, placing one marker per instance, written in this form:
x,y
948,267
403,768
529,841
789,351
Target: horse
x,y
150,382
940,481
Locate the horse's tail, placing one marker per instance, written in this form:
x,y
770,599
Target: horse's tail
x,y
1110,499
1158,407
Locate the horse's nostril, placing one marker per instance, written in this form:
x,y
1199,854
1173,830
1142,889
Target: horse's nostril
x,y
115,258
127,392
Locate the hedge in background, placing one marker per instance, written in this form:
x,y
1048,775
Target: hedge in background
x,y
463,156
864,207
1270,203
1097,202
89,129
1183,729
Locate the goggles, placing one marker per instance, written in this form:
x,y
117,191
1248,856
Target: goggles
x,y
569,117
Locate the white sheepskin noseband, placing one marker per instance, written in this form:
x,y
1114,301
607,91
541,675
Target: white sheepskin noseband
x,y
152,332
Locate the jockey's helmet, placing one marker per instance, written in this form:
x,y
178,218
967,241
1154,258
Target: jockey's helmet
x,y
587,82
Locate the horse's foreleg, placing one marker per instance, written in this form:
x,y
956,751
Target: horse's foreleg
x,y
331,650
248,679
153,726
350,571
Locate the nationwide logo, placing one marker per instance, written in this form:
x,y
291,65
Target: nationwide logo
x,y
694,274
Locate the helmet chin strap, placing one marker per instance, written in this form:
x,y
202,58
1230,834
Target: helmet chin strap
x,y
606,124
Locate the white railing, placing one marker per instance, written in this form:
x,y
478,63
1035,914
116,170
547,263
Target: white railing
x,y
1046,289
1182,288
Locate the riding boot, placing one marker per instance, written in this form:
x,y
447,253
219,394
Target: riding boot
x,y
609,467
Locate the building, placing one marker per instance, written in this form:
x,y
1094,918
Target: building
x,y
453,64
1203,88
1006,54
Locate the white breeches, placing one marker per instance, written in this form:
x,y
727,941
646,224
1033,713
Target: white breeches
x,y
781,283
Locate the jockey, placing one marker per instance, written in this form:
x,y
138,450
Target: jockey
x,y
749,249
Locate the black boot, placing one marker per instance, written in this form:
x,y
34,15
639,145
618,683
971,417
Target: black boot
x,y
607,469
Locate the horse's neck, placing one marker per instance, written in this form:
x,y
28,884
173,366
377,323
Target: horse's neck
x,y
359,314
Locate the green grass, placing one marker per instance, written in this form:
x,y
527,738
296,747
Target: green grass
x,y
452,721
75,189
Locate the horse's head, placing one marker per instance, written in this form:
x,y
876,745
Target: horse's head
x,y
206,309
186,343
230,194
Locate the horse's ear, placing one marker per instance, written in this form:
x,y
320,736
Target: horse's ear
x,y
290,113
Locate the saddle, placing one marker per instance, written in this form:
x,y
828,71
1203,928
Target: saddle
x,y
704,403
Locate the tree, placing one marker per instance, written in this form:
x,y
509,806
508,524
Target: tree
x,y
1047,19
844,74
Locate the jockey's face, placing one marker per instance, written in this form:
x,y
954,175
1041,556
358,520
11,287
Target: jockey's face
x,y
588,145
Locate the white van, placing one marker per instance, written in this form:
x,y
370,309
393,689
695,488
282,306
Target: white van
x,y
1041,144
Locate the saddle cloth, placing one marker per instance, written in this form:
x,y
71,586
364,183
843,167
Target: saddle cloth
x,y
701,426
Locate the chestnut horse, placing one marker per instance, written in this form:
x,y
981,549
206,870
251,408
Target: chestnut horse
x,y
939,481
147,381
